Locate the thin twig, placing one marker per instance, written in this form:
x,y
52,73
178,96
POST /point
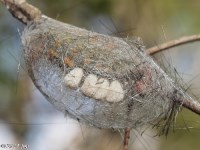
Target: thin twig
x,y
194,106
173,43
126,138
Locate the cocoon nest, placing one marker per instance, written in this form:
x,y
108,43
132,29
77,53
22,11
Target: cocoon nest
x,y
105,81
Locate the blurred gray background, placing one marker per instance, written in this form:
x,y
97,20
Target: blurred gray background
x,y
26,117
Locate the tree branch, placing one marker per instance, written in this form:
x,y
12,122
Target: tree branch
x,y
173,43
127,132
21,10
194,106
